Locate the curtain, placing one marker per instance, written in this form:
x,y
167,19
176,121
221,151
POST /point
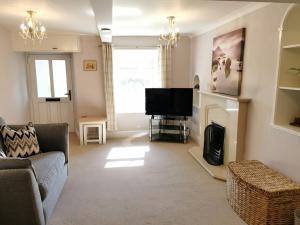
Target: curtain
x,y
165,65
108,85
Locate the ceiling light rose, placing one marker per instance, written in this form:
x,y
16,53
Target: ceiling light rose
x,y
171,38
31,28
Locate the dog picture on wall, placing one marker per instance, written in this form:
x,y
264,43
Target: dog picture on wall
x,y
227,62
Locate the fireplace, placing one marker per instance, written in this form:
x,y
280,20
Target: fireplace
x,y
231,113
213,149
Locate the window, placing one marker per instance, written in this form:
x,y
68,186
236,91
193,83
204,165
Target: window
x,y
134,70
51,78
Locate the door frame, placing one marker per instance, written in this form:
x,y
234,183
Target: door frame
x,y
32,84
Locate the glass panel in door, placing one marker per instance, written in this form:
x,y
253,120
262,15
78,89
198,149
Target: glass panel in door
x,y
43,79
59,78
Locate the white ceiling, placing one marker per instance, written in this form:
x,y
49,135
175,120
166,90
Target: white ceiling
x,y
129,17
57,15
192,16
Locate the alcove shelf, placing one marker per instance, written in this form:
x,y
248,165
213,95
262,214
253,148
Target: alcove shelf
x,y
289,88
288,128
291,46
287,101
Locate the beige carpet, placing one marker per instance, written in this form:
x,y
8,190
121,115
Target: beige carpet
x,y
163,186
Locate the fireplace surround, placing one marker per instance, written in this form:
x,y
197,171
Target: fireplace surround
x,y
231,113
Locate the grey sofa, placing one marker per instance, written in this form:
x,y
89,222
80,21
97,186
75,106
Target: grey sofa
x,y
30,187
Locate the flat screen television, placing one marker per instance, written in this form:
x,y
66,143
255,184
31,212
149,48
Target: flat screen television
x,y
169,101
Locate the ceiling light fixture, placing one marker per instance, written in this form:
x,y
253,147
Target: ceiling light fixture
x,y
31,28
171,38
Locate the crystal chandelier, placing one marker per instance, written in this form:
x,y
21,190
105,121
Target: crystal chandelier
x,y
31,28
171,38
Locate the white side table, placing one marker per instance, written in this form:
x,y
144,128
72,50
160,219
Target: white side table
x,y
86,139
86,122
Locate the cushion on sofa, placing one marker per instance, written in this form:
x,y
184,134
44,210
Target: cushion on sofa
x,y
47,166
2,151
2,154
2,122
20,143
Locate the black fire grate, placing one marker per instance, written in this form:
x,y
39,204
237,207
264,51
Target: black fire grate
x,y
213,151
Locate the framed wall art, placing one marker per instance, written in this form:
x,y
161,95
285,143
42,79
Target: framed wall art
x,y
89,65
227,62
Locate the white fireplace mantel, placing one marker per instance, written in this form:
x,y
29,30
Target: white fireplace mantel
x,y
230,112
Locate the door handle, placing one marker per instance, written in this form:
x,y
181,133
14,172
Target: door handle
x,y
69,93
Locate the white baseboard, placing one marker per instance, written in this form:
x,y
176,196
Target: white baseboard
x,y
122,134
127,134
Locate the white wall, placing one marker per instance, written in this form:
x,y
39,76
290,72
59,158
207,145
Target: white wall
x,y
13,84
181,64
276,148
88,85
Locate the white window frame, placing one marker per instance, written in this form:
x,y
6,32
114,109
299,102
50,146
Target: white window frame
x,y
137,48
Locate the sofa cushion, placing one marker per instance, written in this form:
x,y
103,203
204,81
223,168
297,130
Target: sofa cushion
x,y
2,154
47,166
20,143
2,121
2,148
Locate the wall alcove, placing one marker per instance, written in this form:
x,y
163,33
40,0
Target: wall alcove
x,y
196,106
196,90
287,101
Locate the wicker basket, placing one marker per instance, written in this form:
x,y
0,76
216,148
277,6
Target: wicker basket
x,y
260,195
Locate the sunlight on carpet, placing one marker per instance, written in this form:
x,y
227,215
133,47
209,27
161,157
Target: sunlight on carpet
x,y
123,156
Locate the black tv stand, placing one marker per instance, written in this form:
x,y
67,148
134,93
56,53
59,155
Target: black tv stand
x,y
168,128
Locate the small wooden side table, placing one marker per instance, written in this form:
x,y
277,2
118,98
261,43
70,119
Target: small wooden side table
x,y
92,121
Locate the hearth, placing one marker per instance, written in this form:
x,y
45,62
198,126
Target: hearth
x,y
213,150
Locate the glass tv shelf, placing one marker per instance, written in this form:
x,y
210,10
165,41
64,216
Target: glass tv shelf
x,y
170,129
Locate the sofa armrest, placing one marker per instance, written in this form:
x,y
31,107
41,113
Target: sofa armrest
x,y
20,198
14,163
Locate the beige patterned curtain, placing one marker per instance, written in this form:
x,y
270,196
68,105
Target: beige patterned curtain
x,y
108,85
166,65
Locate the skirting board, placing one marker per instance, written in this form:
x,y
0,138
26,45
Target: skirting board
x,y
127,134
193,151
123,134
